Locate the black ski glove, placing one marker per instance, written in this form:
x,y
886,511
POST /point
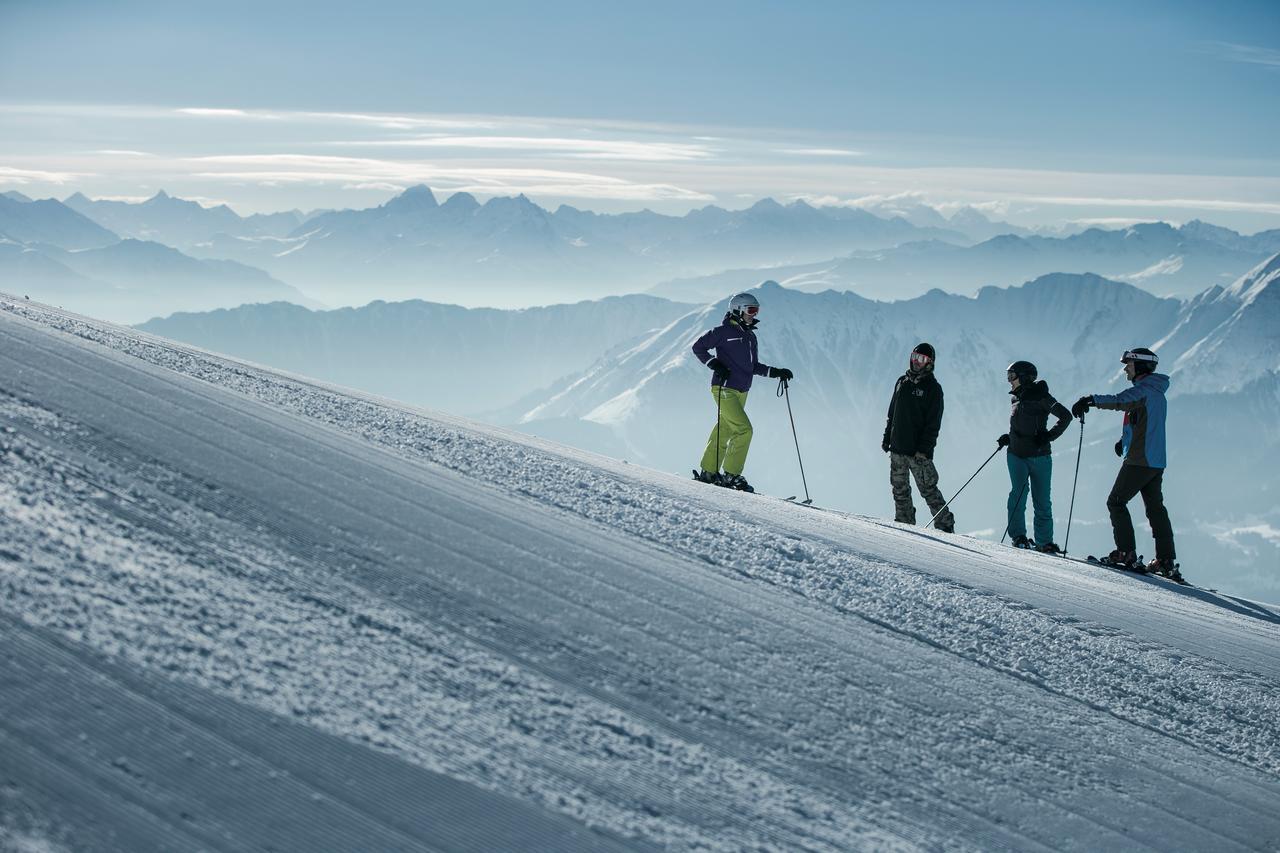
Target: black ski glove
x,y
1003,441
719,368
1120,448
781,373
1081,407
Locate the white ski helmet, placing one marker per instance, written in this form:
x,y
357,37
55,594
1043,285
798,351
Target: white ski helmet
x,y
744,303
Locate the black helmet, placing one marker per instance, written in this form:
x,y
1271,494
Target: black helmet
x,y
1024,370
1143,359
922,357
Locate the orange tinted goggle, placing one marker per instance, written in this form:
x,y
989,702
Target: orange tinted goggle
x,y
751,310
919,359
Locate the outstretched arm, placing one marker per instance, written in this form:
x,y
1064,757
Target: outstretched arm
x,y
1127,400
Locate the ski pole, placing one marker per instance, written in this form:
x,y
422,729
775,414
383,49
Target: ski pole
x,y
1076,479
719,391
962,488
785,393
1024,509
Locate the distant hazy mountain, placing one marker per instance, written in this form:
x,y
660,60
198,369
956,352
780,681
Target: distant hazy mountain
x,y
178,222
51,222
510,251
1155,256
15,195
131,280
467,361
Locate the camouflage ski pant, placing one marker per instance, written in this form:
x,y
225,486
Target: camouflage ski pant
x,y
901,469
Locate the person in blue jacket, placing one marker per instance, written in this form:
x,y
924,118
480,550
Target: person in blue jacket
x,y
1142,444
734,365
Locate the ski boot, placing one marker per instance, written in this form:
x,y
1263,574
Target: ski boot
x,y
707,477
1049,548
736,481
1023,542
1126,560
1166,568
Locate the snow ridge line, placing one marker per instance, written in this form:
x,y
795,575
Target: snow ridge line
x,y
1182,692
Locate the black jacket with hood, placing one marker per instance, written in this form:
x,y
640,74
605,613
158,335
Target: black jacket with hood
x,y
915,415
1032,405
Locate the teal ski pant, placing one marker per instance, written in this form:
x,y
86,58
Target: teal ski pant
x,y
1030,475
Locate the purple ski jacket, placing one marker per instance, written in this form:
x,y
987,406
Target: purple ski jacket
x,y
736,348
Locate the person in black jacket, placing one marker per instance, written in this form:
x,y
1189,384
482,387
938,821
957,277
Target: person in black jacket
x,y
1029,457
910,435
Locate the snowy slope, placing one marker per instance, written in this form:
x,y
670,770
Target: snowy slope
x,y
241,609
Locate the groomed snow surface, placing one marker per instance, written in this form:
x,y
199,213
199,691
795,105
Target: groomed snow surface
x,y
242,610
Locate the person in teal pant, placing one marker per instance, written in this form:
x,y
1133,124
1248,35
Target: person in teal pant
x,y
1030,458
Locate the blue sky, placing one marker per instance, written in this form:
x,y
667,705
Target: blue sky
x,y
1040,112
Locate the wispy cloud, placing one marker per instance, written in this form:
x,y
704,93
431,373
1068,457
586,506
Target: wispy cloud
x,y
386,121
208,112
585,149
1246,53
121,152
281,169
34,176
821,152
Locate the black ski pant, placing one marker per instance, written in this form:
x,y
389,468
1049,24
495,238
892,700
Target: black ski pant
x,y
1132,480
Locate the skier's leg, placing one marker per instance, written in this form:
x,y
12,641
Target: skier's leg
x,y
1017,503
926,474
1040,469
713,457
737,425
1161,528
1129,481
900,481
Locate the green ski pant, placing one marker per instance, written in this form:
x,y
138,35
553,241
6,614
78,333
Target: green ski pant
x,y
730,439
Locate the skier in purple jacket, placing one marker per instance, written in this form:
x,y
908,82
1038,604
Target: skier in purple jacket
x,y
733,367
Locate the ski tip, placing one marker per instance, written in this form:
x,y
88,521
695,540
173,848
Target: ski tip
x,y
807,501
791,498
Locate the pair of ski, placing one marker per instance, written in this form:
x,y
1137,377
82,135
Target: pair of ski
x,y
1103,562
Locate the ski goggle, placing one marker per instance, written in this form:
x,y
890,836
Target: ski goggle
x,y
1139,356
751,310
919,359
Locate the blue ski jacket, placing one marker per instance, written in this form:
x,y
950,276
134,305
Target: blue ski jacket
x,y
735,346
1145,408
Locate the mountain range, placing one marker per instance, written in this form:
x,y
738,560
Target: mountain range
x,y
1155,256
460,360
510,252
129,281
60,256
181,223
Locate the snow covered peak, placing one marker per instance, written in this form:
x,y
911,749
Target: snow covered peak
x,y
1250,285
461,202
415,198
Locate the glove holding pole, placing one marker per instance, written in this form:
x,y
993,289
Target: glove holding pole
x,y
784,376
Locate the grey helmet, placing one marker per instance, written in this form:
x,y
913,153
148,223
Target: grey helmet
x,y
744,307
